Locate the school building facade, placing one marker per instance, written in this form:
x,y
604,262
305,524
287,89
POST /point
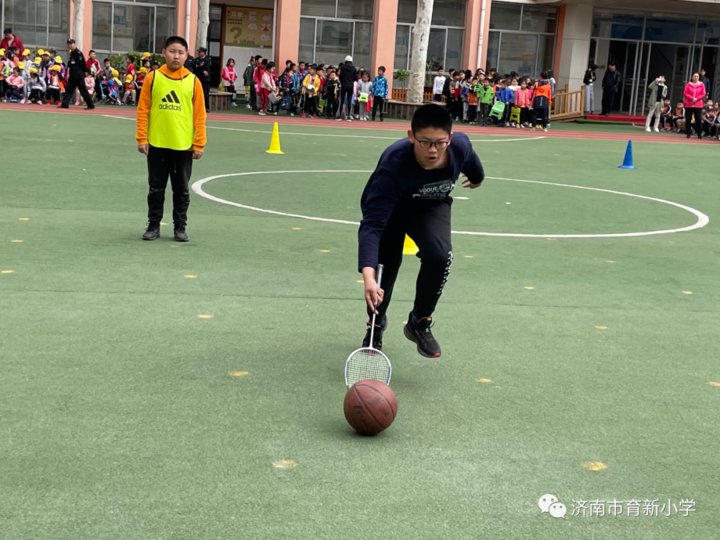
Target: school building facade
x,y
645,38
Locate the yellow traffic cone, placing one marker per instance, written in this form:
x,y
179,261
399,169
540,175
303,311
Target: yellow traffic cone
x,y
409,246
274,141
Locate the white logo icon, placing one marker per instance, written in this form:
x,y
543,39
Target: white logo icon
x,y
558,510
545,501
549,503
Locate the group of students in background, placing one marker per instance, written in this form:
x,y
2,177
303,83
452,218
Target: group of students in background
x,y
342,92
696,114
486,98
345,92
42,77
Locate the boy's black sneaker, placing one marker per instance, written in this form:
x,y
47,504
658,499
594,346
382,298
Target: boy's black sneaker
x,y
380,326
152,232
418,331
181,235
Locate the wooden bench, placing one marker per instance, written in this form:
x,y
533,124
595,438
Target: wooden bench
x,y
220,101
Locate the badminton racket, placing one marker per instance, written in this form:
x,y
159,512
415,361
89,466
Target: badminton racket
x,y
368,362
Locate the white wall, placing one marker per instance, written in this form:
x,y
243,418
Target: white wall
x,y
241,56
575,46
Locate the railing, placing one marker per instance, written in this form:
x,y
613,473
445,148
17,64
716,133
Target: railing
x,y
400,94
568,105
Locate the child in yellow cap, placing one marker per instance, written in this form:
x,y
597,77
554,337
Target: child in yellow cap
x,y
112,86
37,87
129,95
140,79
55,84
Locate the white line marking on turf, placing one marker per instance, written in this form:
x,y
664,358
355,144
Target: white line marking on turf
x,y
305,134
702,219
197,187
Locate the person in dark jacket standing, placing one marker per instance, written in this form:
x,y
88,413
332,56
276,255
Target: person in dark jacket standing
x,y
77,68
201,68
611,87
348,76
409,193
706,81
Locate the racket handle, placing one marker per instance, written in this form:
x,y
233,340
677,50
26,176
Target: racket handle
x,y
372,324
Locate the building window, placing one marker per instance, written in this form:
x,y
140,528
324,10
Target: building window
x,y
447,30
38,23
402,46
445,47
338,9
336,29
521,38
445,12
329,41
123,27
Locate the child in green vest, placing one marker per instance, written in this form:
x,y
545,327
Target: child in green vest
x,y
486,95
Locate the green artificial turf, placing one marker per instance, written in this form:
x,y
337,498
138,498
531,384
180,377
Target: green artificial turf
x,y
124,415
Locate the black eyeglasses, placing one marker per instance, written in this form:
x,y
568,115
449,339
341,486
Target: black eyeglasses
x,y
427,145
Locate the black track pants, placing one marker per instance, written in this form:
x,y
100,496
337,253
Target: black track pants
x,y
428,224
176,164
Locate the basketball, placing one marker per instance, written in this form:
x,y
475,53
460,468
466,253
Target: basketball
x,y
370,406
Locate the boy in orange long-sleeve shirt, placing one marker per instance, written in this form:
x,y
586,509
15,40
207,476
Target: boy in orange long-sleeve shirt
x,y
542,100
171,133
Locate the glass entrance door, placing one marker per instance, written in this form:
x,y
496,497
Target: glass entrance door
x,y
640,63
668,60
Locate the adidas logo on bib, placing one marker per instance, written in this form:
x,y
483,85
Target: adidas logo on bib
x,y
170,102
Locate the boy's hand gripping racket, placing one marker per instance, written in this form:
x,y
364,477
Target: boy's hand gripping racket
x,y
368,362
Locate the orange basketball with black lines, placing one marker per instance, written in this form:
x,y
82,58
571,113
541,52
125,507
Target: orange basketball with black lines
x,y
370,406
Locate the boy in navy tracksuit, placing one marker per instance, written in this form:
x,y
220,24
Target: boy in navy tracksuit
x,y
409,193
507,96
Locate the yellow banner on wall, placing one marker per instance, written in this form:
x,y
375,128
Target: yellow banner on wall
x,y
248,27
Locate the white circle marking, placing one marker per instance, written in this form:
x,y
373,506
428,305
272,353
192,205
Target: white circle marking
x,y
702,219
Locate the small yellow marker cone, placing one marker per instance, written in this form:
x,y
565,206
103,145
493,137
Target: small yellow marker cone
x,y
595,466
409,246
275,141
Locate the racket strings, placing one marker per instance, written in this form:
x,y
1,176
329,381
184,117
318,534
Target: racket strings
x,y
367,363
